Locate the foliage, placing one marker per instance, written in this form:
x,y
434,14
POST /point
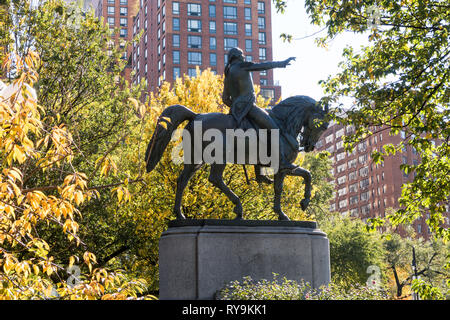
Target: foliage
x,y
286,289
352,250
28,271
429,258
56,165
398,83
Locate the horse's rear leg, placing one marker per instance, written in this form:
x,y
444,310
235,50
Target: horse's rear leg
x,y
183,179
278,189
216,178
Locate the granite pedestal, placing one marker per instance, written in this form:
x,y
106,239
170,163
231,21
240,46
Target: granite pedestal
x,y
199,257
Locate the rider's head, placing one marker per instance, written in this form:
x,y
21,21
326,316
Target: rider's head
x,y
235,53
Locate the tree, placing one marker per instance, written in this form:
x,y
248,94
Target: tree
x,y
400,81
355,255
428,256
28,270
56,158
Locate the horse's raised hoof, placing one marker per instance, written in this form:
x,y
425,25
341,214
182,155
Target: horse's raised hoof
x,y
304,204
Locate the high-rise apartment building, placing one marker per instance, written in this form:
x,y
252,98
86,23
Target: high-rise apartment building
x,y
178,36
364,189
119,14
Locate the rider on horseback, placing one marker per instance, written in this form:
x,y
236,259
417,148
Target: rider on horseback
x,y
239,95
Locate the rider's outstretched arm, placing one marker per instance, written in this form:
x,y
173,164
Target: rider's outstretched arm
x,y
250,66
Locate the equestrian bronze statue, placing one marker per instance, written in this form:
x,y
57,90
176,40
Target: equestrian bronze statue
x,y
278,130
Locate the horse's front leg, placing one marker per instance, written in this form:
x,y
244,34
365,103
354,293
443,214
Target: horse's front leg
x,y
278,189
306,175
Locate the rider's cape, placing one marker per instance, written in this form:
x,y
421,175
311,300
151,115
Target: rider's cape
x,y
241,106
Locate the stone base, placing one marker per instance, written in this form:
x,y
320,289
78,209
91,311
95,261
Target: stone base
x,y
199,257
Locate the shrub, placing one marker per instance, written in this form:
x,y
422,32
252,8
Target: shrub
x,y
286,289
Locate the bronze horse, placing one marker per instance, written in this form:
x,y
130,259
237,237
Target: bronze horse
x,y
297,115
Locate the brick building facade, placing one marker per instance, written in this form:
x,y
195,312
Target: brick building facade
x,y
364,189
119,14
178,36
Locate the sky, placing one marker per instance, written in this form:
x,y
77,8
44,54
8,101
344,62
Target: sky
x,y
313,63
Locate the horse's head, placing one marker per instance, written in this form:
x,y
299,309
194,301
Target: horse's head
x,y
301,115
313,127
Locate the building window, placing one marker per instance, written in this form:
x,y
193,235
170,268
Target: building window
x,y
268,93
353,188
365,209
248,58
163,11
213,59
123,2
194,25
111,1
341,168
248,30
212,11
123,22
230,28
365,196
263,73
194,42
123,11
212,27
229,43
247,13
229,1
261,37
363,172
261,23
176,40
194,9
261,7
111,10
111,21
192,72
176,8
343,203
352,176
176,57
212,43
262,53
363,159
175,24
248,45
176,73
263,82
363,184
229,12
123,33
194,58
342,191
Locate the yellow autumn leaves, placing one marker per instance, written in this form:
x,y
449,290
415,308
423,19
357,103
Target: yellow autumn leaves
x,y
26,145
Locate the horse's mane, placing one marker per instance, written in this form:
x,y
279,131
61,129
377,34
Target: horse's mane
x,y
289,113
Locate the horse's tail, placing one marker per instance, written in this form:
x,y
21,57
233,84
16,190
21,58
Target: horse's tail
x,y
172,117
